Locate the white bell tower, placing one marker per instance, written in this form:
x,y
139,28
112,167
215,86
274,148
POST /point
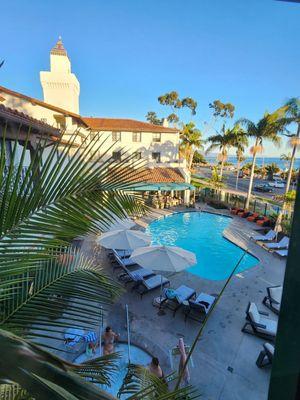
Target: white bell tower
x,y
60,86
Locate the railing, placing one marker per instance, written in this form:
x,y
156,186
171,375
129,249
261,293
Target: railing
x,y
233,200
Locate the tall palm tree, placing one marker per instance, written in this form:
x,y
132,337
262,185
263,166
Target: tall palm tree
x,y
293,116
46,285
267,128
223,141
239,141
191,140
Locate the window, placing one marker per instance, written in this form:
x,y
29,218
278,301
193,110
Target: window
x,y
60,121
156,157
137,155
136,136
116,136
116,155
156,137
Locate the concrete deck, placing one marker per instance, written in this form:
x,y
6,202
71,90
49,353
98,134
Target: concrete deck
x,y
225,357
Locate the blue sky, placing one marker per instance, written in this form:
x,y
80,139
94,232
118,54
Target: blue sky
x,y
126,53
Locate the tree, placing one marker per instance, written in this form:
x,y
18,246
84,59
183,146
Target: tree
x,y
153,118
172,100
190,141
293,116
267,128
239,142
271,169
216,180
199,158
223,110
223,141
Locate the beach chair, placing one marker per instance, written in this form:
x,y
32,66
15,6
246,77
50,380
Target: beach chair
x,y
135,275
282,253
273,298
174,298
235,210
268,237
265,357
282,244
119,262
253,217
199,308
143,286
258,325
263,221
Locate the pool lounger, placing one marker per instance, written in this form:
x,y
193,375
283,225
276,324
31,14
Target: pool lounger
x,y
122,262
258,325
273,298
180,295
143,286
281,253
265,357
135,275
283,244
271,235
199,308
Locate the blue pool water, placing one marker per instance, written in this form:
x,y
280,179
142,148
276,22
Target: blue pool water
x,y
201,233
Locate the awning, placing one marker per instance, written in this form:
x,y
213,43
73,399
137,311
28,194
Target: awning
x,y
154,187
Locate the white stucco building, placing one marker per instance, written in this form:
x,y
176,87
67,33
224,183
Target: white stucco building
x,y
157,144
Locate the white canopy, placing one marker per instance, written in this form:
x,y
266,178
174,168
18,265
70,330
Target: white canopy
x,y
117,224
164,258
124,239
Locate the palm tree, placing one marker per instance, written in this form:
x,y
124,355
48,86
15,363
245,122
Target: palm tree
x,y
190,141
47,286
239,141
271,169
267,128
293,116
223,141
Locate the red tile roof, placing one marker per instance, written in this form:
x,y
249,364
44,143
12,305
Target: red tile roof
x,y
8,114
161,174
41,103
129,125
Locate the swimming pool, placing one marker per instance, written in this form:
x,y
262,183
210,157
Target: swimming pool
x,y
201,233
137,356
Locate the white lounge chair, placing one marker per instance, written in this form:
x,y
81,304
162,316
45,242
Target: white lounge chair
x,y
199,308
268,237
258,325
282,253
146,285
265,356
273,298
174,298
283,244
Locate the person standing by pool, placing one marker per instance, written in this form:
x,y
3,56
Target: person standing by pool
x,y
155,368
109,339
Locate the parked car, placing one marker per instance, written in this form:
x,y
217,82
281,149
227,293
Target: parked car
x,y
278,184
264,188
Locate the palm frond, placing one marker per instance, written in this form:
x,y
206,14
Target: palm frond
x,y
140,384
65,292
41,374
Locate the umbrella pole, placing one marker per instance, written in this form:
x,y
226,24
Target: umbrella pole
x,y
160,310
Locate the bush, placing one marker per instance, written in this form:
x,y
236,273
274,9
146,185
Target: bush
x,y
217,204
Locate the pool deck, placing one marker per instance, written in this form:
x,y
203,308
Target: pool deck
x,y
224,360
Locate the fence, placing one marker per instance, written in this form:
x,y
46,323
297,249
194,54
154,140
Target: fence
x,y
233,200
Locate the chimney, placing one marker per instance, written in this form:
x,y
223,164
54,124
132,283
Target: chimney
x,y
165,123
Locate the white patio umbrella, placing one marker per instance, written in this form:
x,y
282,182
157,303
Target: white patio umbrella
x,y
124,239
163,258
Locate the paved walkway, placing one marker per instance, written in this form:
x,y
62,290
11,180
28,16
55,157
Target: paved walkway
x,y
225,357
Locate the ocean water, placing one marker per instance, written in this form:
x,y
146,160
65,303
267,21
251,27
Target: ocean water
x,y
201,233
260,161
